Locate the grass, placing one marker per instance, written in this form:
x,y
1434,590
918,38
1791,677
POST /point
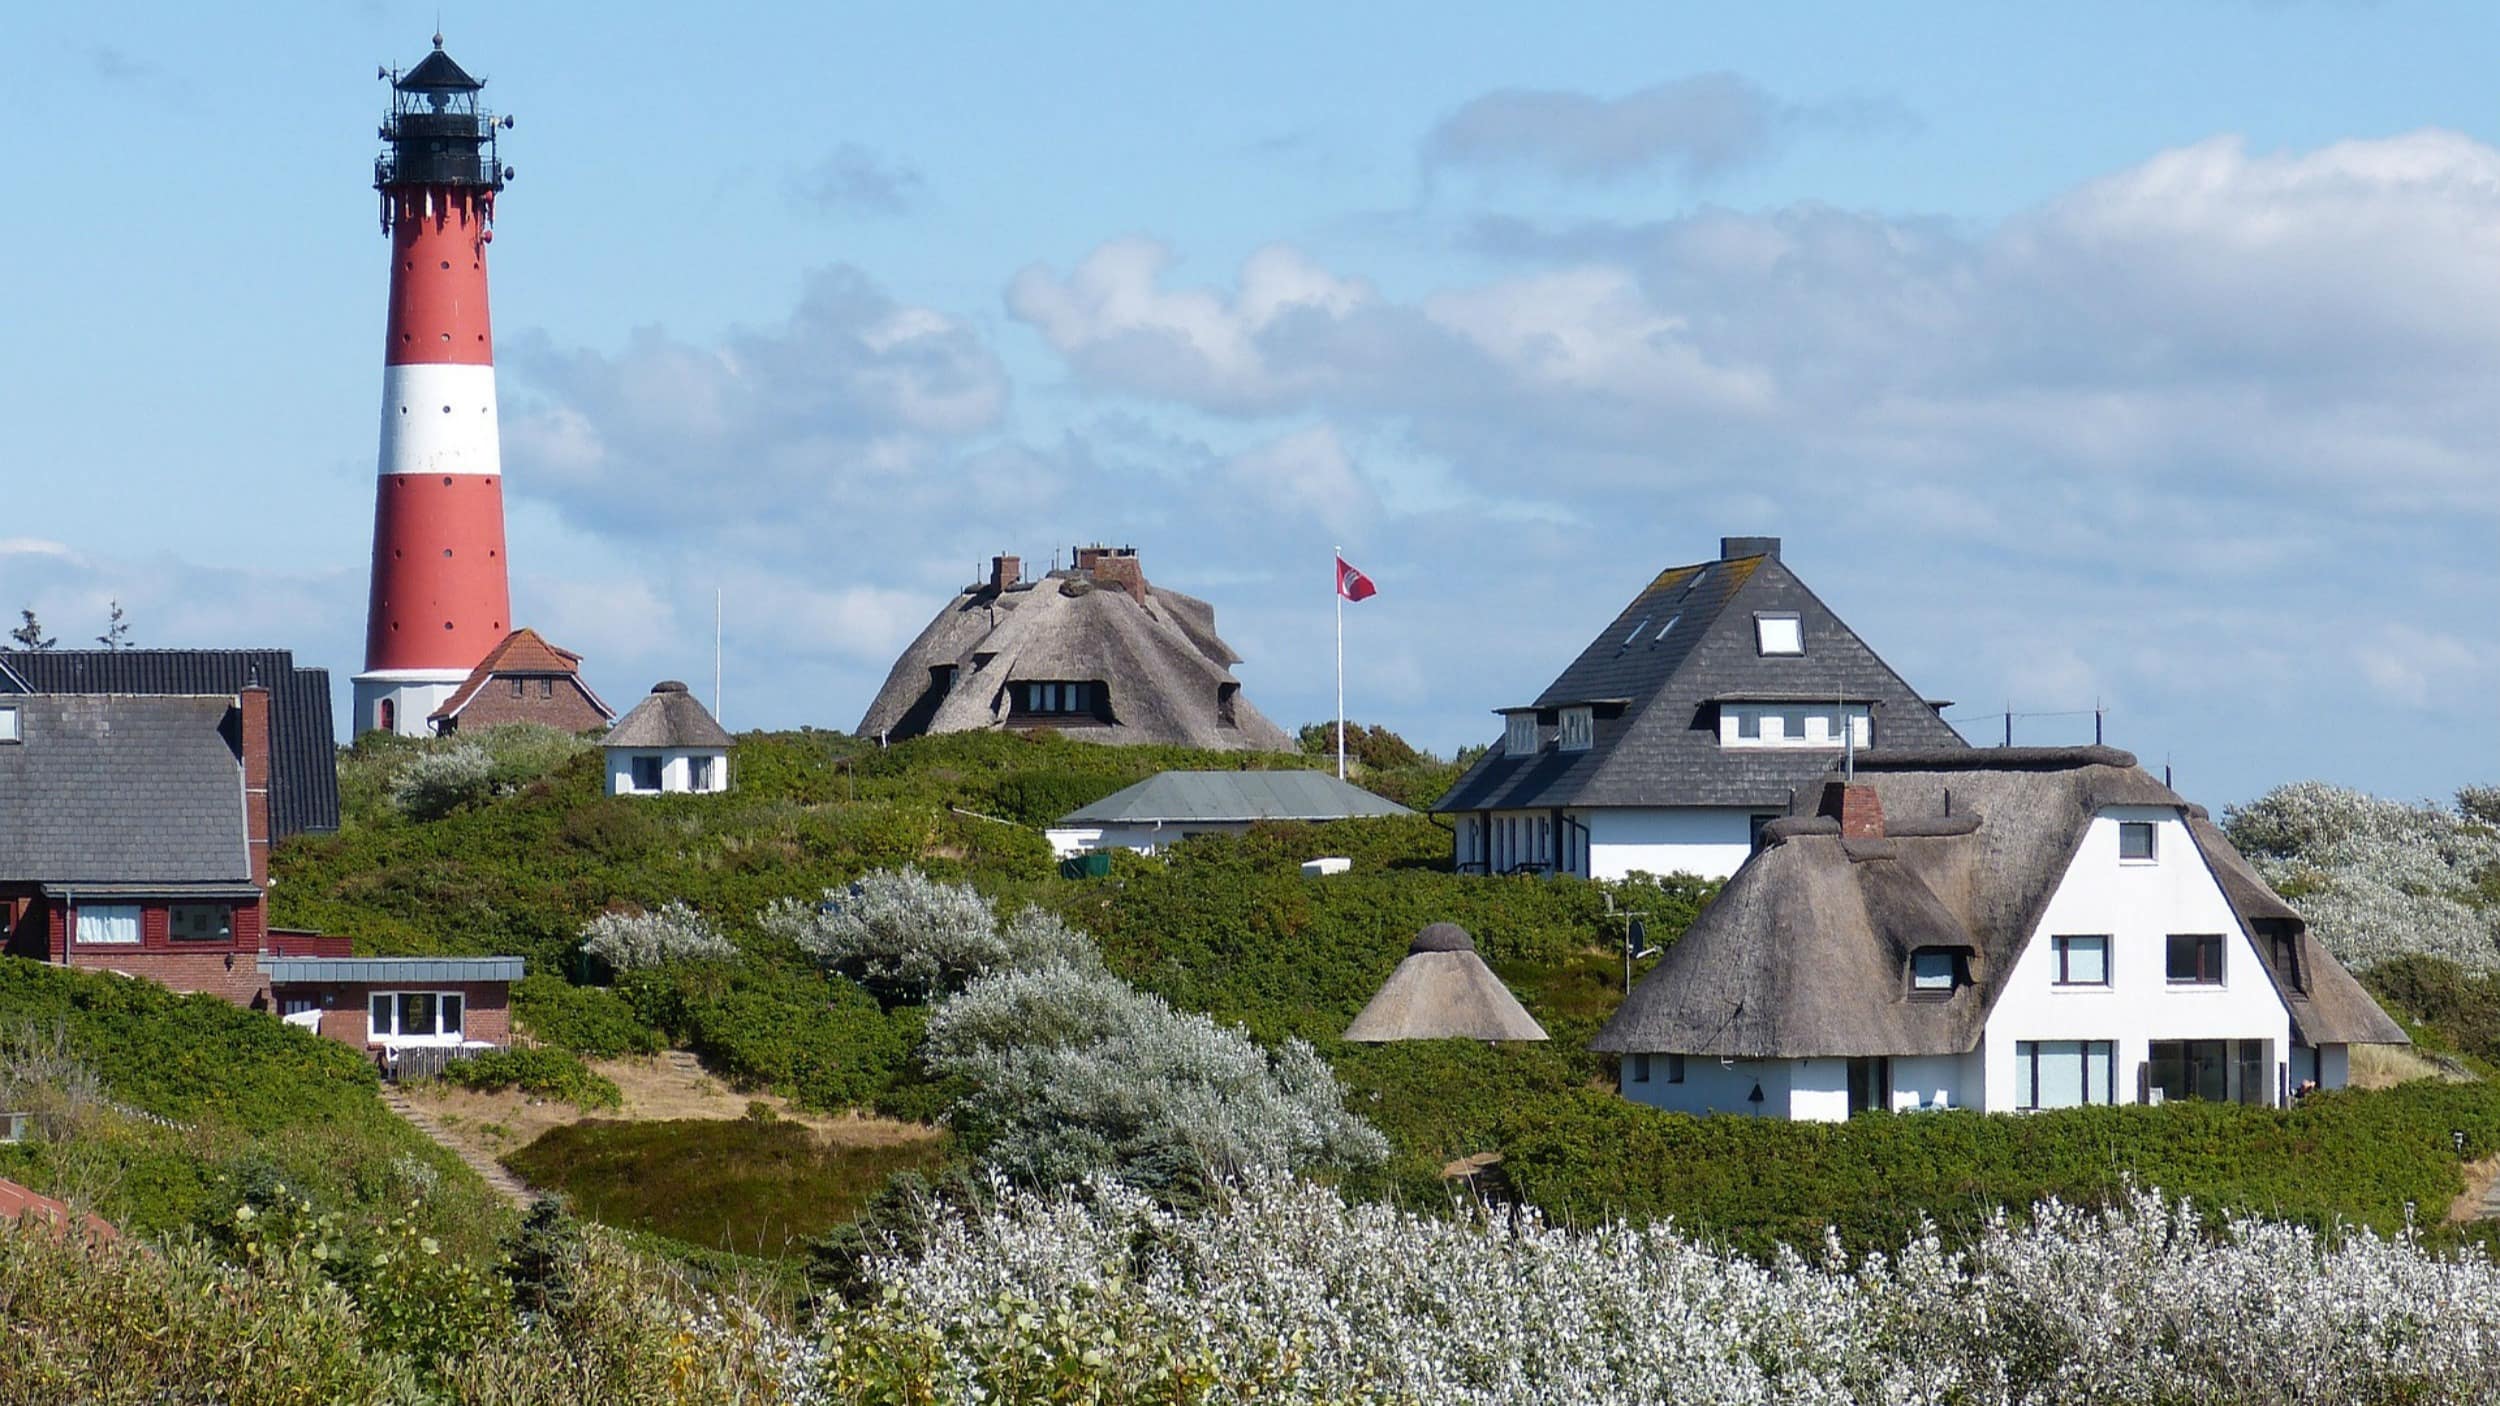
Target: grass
x,y
751,1186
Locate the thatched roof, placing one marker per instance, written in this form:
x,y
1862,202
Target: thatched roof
x,y
1164,675
1660,671
1804,954
670,716
1443,991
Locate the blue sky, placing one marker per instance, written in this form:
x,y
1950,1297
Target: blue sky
x,y
2139,355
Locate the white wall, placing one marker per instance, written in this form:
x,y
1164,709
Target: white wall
x,y
2138,905
1079,839
1708,841
676,769
1925,1081
414,694
1711,1087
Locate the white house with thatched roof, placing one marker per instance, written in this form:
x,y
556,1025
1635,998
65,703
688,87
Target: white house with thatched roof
x,y
1688,723
670,744
2001,929
1093,651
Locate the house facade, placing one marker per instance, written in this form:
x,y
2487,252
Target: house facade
x,y
670,744
1690,722
523,679
1093,651
2002,929
398,1003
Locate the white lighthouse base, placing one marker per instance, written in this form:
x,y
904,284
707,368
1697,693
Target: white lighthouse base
x,y
400,700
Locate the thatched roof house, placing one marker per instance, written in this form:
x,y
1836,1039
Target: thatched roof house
x,y
1443,991
1999,928
1094,651
1690,720
670,742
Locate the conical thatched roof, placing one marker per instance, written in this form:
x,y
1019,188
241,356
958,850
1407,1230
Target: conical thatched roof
x,y
1443,991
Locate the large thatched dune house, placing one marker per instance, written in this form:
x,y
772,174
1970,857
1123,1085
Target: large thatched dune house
x,y
1685,726
2001,929
1092,650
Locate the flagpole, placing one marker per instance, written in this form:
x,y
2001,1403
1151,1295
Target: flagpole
x,y
1336,576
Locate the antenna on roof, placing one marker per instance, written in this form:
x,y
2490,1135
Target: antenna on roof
x,y
716,635
1849,747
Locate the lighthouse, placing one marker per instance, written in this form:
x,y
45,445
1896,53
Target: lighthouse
x,y
441,597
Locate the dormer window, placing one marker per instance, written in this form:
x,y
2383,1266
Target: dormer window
x,y
1794,725
1935,972
1579,729
1519,735
1779,634
1055,699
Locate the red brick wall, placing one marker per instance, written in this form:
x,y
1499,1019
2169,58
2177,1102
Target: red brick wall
x,y
486,1014
253,703
570,710
229,969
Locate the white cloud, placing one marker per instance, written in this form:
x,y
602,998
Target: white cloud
x,y
1695,128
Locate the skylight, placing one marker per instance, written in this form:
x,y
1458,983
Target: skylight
x,y
1779,634
1630,639
1663,629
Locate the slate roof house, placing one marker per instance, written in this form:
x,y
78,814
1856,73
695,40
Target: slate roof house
x,y
1173,805
1093,651
2000,929
135,839
669,743
303,751
1685,726
523,679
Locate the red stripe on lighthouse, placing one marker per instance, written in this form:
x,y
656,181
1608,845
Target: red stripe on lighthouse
x,y
438,277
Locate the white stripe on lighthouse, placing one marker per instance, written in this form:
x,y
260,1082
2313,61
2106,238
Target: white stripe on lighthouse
x,y
439,418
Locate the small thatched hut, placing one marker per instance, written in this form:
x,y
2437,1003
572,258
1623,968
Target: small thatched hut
x,y
1443,991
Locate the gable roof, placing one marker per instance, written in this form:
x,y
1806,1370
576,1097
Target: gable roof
x,y
123,790
1803,953
1154,651
1211,796
1443,991
1659,671
525,652
669,716
303,749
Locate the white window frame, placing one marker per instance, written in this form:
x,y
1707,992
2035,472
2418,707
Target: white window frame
x,y
699,773
1579,729
1779,633
2063,944
9,730
2152,842
375,1032
633,772
109,918
2094,1057
1809,726
1519,735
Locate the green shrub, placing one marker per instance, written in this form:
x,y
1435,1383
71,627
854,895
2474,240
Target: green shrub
x,y
2462,1008
588,1020
547,1072
823,1041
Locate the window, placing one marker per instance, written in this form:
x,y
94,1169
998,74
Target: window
x,y
2195,959
546,688
699,773
1935,971
8,725
2190,1069
1794,725
518,685
646,773
1058,699
404,1016
203,922
2065,1073
1519,735
1579,729
2082,961
116,923
2135,841
1675,1069
1634,637
1779,634
386,715
2287,960
1226,704
1640,1069
1666,629
1749,724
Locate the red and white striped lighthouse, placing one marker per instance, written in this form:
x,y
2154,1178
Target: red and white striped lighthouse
x,y
441,597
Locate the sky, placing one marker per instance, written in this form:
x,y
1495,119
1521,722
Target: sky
x,y
2136,357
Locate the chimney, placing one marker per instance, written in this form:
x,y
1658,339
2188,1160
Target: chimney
x,y
1858,809
252,701
1005,571
1114,566
1736,548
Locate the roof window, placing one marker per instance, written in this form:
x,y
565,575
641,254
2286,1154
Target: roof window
x,y
1579,729
1665,629
1936,971
1519,736
1779,634
1634,637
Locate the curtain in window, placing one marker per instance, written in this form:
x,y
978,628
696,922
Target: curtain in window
x,y
109,922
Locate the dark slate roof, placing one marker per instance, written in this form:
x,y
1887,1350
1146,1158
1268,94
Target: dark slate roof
x,y
281,970
1208,796
1155,653
669,716
131,791
1805,953
436,72
1658,672
303,760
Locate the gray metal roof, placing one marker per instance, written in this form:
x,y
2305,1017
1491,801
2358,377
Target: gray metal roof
x,y
281,970
303,750
1182,797
112,789
1682,646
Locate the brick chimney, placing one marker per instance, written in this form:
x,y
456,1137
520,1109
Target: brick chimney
x,y
1005,571
1114,566
1856,806
252,701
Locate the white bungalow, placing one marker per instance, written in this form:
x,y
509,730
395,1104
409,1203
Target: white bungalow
x,y
668,745
1171,806
2000,929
